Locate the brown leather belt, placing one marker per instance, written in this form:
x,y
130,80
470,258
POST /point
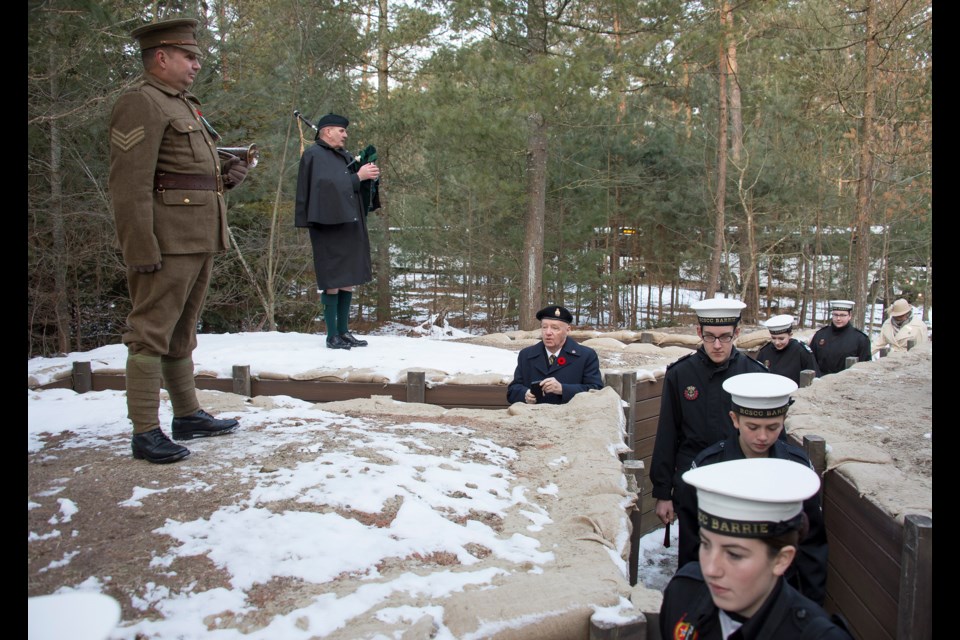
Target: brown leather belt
x,y
163,181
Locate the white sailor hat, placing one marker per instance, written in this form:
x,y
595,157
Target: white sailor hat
x,y
779,324
760,395
718,311
841,305
752,497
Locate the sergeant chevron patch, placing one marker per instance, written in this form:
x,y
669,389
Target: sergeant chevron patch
x,y
127,141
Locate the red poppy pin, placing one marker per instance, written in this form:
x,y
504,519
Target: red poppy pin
x,y
691,393
561,361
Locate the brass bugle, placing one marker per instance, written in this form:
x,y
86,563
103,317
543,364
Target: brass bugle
x,y
250,155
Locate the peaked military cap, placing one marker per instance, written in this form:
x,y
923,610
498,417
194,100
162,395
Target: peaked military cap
x,y
752,497
760,395
718,311
177,32
555,312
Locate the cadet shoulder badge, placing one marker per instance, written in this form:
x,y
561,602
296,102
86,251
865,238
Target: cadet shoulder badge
x,y
691,393
685,631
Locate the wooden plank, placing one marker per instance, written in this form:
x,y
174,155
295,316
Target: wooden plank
x,y
916,581
872,521
843,599
108,382
646,428
649,389
494,396
847,560
313,391
215,384
648,408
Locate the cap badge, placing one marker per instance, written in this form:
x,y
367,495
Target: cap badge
x,y
691,393
557,312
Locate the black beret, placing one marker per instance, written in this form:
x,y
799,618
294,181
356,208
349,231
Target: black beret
x,y
332,120
555,312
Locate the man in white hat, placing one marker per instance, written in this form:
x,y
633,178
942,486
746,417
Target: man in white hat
x,y
760,403
693,405
834,343
784,354
751,518
900,327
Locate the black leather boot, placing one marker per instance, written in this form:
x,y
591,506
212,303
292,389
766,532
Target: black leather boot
x,y
154,446
353,342
336,342
201,424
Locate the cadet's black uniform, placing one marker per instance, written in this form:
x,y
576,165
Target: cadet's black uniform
x,y
688,611
832,346
694,413
789,361
808,573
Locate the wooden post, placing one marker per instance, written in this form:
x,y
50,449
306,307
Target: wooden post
x,y
634,471
416,386
883,351
614,380
629,396
241,379
916,579
82,377
816,448
646,337
632,628
850,361
806,377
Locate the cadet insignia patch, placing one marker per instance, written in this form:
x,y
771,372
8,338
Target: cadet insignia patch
x,y
822,342
691,393
685,631
127,141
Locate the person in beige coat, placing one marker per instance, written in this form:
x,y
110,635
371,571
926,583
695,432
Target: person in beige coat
x,y
166,186
900,328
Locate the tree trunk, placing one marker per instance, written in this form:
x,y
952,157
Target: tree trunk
x,y
384,300
713,273
61,304
865,179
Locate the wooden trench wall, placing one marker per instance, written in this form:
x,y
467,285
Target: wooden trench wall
x,y
879,571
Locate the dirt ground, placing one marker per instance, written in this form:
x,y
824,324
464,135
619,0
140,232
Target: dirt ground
x,y
876,418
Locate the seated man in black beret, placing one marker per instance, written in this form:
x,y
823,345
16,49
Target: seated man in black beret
x,y
558,368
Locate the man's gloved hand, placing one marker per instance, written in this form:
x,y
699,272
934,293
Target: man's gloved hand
x,y
234,170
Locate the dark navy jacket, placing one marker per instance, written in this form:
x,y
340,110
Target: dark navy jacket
x,y
577,369
688,611
789,361
832,346
808,573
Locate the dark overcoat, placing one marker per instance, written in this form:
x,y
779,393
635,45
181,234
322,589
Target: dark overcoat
x,y
831,346
789,361
329,203
688,611
808,573
577,369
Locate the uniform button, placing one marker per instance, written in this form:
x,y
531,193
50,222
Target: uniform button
x,y
801,613
190,126
186,201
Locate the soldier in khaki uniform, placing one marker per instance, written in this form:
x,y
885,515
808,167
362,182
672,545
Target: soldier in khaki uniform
x,y
166,186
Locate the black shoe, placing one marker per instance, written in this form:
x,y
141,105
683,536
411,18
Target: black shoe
x,y
154,446
336,342
353,342
200,425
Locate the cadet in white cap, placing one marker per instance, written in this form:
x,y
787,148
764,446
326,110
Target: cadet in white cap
x,y
694,405
760,403
834,343
751,518
900,327
784,354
